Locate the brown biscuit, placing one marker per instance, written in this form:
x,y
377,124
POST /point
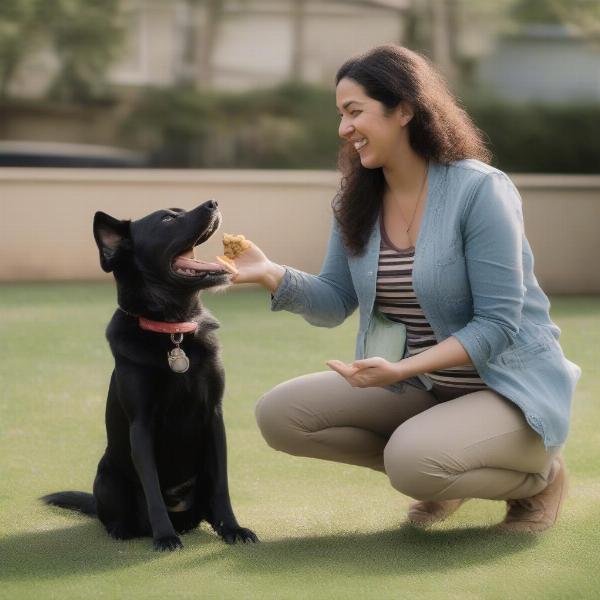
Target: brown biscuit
x,y
234,245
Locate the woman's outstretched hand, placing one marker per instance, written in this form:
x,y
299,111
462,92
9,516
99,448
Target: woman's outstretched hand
x,y
253,266
369,372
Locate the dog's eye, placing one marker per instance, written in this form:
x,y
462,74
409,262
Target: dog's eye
x,y
168,218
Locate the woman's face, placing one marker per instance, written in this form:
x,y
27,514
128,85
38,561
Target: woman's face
x,y
375,134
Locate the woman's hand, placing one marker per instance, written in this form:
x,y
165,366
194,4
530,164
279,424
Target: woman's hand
x,y
369,372
254,267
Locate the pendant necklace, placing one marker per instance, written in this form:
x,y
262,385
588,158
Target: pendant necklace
x,y
417,203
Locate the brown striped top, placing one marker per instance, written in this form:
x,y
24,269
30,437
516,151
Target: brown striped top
x,y
396,299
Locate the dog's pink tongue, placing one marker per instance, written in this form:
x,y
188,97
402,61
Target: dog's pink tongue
x,y
184,262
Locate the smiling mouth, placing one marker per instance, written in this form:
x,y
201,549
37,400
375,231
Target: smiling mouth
x,y
185,265
360,144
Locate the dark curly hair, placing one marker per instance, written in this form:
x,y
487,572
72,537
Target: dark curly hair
x,y
440,131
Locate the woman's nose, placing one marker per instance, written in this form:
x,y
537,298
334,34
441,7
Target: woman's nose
x,y
345,129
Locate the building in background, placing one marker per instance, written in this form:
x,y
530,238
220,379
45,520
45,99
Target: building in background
x,y
234,44
199,82
242,44
549,62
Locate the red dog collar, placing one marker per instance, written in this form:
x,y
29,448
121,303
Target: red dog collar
x,y
164,327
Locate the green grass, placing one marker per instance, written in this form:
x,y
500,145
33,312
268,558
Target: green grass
x,y
327,530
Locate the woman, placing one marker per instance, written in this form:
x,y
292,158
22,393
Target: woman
x,y
430,238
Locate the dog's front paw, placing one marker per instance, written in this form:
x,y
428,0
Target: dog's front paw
x,y
167,542
232,534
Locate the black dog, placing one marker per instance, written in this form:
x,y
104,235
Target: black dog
x,y
165,465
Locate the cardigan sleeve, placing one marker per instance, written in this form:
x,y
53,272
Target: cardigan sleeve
x,y
325,300
493,234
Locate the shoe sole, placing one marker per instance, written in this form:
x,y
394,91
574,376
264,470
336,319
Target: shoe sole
x,y
531,526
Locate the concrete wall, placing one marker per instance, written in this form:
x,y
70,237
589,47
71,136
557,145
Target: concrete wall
x,y
46,217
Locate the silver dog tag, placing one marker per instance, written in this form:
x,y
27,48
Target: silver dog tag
x,y
178,361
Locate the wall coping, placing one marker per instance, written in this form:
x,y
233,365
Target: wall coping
x,y
170,176
238,177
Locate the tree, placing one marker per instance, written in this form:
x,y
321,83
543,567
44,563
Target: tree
x,y
20,34
582,14
199,35
85,36
298,18
437,29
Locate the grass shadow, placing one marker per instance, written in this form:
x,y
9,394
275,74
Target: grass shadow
x,y
77,550
402,550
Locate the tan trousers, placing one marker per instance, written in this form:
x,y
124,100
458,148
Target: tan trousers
x,y
477,445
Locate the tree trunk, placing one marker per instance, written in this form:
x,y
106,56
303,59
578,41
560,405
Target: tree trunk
x,y
297,13
213,13
441,43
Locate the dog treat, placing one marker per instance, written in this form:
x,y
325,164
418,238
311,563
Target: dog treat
x,y
233,245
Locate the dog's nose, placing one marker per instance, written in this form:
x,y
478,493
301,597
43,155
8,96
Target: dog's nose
x,y
211,204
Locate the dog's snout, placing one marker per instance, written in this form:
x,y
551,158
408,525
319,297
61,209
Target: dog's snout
x,y
211,205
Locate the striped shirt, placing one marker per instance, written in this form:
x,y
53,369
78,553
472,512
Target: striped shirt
x,y
395,298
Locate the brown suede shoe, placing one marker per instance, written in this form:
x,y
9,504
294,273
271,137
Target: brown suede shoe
x,y
428,512
531,515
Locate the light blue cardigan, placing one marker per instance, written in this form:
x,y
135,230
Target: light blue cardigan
x,y
473,277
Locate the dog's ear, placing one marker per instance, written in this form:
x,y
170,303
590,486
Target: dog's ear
x,y
111,235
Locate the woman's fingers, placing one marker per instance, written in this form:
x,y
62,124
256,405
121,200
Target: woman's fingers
x,y
251,265
355,377
365,363
341,367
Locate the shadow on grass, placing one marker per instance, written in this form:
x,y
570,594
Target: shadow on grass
x,y
403,550
77,550
85,549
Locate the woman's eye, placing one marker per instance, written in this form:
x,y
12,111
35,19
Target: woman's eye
x,y
355,112
168,218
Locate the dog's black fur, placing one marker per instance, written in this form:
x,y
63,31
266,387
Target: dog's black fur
x,y
164,469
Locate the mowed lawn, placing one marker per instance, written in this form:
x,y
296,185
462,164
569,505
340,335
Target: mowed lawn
x,y
327,530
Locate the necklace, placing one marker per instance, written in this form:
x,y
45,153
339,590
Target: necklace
x,y
418,200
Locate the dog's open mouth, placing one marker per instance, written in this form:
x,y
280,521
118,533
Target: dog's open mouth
x,y
186,265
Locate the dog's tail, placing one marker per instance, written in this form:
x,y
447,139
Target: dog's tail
x,y
85,503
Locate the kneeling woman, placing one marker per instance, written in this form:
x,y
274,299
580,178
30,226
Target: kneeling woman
x,y
460,388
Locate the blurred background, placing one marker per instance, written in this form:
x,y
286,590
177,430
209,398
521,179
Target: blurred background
x,y
172,102
128,106
249,83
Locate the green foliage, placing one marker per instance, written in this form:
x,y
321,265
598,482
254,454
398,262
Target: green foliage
x,y
295,126
84,35
20,33
535,12
541,138
583,14
290,126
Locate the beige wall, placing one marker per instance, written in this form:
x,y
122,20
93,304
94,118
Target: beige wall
x,y
45,223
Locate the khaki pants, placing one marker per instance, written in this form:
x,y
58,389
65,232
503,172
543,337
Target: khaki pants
x,y
477,445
